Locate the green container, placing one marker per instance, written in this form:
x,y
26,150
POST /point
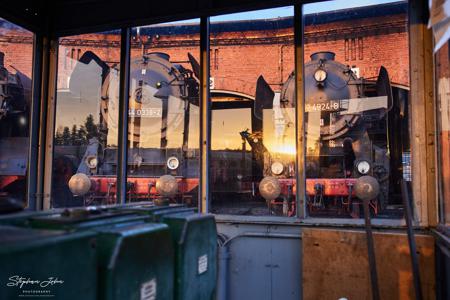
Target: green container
x,y
135,258
135,262
84,219
194,239
49,264
195,242
156,213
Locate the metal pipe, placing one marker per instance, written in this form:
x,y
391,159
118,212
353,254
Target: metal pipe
x,y
205,116
33,150
411,241
222,279
371,252
299,111
124,96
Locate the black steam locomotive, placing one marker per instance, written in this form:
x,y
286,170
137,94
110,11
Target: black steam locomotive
x,y
354,128
162,97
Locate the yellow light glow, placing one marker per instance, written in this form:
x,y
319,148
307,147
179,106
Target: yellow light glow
x,y
282,149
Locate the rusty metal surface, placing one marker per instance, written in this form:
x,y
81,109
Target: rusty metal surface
x,y
335,265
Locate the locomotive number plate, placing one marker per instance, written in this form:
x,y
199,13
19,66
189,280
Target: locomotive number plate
x,y
145,113
325,106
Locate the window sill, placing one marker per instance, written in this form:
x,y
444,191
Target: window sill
x,y
320,222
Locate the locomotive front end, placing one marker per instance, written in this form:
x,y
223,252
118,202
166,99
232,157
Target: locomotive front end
x,y
162,97
347,150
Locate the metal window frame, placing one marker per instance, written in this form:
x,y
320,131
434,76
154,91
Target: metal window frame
x,y
299,113
33,148
421,53
47,105
124,99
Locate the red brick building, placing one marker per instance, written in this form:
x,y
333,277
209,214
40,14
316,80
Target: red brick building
x,y
365,38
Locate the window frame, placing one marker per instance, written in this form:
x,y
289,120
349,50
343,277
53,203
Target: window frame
x,y
421,96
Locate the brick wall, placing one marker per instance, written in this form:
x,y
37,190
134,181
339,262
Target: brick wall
x,y
238,58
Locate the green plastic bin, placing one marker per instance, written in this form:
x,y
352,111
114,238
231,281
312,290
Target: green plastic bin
x,y
135,258
194,239
135,262
84,219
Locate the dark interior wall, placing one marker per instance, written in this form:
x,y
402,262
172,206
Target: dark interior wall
x,y
26,13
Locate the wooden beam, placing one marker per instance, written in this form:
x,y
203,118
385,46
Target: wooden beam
x,y
205,117
49,117
422,116
299,111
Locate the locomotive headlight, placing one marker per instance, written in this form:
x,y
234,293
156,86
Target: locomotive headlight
x,y
92,162
173,163
79,184
320,75
367,188
277,168
269,188
167,185
363,167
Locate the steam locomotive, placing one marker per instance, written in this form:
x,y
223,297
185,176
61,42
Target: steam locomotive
x,y
356,132
162,97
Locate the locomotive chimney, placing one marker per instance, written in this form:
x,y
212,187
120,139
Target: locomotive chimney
x,y
2,59
324,55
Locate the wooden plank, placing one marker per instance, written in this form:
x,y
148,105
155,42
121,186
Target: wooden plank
x,y
300,187
335,265
205,116
422,116
51,102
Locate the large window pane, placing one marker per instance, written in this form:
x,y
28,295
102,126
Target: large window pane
x,y
442,80
16,60
86,132
163,154
253,119
356,107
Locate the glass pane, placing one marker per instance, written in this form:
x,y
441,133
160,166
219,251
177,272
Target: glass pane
x,y
16,61
163,153
442,80
85,141
253,119
357,107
